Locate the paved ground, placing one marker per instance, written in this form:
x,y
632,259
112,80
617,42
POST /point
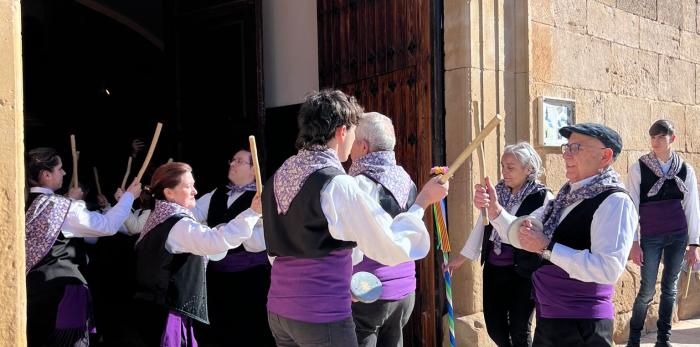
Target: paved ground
x,y
685,334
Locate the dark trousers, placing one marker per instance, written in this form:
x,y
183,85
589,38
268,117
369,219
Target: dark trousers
x,y
508,306
237,303
573,332
42,307
294,333
381,323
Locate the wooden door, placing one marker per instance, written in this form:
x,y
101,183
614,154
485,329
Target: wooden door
x,y
379,51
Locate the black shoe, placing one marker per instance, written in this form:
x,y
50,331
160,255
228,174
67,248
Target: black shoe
x,y
663,344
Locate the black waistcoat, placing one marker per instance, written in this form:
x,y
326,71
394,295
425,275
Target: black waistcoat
x,y
60,264
574,231
219,213
388,202
176,281
669,190
524,262
303,231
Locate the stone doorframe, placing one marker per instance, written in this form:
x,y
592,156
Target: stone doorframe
x,y
12,293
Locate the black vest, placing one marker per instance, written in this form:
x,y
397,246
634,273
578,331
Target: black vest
x,y
574,231
388,202
524,262
220,213
303,231
60,264
176,281
669,190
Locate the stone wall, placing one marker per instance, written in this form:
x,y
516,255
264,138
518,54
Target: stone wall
x,y
12,291
626,63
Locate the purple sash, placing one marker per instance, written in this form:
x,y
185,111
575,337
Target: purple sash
x,y
398,281
559,296
238,261
503,259
665,217
312,290
177,329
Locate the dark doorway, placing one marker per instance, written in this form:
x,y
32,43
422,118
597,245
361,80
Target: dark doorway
x,y
107,71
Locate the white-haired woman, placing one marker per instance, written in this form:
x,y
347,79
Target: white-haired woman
x,y
507,286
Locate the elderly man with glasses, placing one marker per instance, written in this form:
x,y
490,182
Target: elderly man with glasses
x,y
585,240
237,285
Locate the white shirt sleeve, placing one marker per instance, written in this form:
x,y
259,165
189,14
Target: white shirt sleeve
x,y
80,222
634,181
472,248
256,243
612,230
691,206
189,236
136,221
201,210
353,215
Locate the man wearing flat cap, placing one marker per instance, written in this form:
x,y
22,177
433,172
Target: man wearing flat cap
x,y
585,240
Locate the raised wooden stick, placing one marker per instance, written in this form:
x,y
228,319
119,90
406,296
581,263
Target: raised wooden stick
x,y
74,153
126,175
256,163
471,147
170,160
151,149
476,115
97,181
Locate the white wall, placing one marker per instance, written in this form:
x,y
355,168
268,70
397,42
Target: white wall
x,y
290,50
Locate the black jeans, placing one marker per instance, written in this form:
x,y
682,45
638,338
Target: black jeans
x,y
508,306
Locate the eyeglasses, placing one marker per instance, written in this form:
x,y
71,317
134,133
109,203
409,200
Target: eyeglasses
x,y
238,162
574,148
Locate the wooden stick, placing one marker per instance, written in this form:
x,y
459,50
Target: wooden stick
x,y
495,121
126,175
476,115
687,284
97,181
151,149
256,164
74,153
170,160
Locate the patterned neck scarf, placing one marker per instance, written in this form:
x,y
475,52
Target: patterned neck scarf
x,y
381,167
654,165
233,188
508,200
163,210
44,219
606,180
293,173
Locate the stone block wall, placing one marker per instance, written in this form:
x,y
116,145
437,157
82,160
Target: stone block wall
x,y
626,63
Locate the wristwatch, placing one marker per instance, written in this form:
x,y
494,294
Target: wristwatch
x,y
546,254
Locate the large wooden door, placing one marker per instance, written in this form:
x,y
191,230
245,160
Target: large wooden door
x,y
379,51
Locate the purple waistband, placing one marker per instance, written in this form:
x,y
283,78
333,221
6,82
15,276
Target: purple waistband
x,y
559,296
503,259
238,261
312,290
665,217
398,281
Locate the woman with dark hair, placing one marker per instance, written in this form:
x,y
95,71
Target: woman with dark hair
x,y
58,300
171,257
